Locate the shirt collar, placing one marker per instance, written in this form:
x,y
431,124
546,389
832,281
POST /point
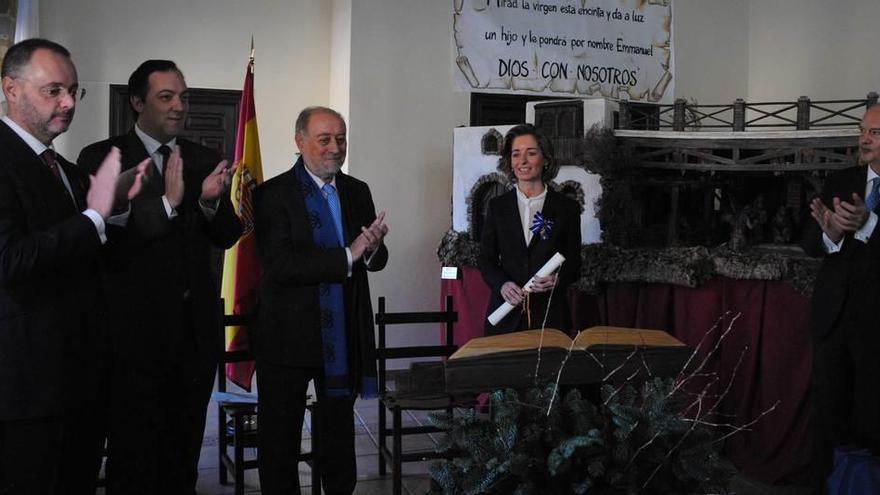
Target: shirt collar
x,y
871,174
150,143
34,143
318,181
522,197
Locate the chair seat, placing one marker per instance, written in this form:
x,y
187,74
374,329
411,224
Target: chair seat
x,y
234,398
247,437
426,402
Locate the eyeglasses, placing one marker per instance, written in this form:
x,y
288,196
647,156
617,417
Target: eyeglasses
x,y
56,91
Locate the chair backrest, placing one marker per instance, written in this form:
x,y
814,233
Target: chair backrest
x,y
236,356
448,317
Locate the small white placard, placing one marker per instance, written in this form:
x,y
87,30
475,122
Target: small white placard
x,y
449,273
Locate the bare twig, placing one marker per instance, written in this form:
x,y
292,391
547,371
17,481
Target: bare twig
x,y
700,345
680,383
621,387
559,377
621,365
544,325
672,450
729,382
734,428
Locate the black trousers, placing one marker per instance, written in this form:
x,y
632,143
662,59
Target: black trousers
x,y
29,456
845,398
282,394
158,405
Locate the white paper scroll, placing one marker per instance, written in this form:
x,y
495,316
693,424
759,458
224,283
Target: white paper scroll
x,y
551,266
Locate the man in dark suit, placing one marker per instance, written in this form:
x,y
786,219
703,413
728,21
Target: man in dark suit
x,y
844,324
164,300
317,236
51,231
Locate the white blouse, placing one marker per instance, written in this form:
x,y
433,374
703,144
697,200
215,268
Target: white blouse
x,y
527,209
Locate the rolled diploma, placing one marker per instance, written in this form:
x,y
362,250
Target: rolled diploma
x,y
551,266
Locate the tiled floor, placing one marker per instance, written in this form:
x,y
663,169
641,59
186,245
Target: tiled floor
x,y
415,475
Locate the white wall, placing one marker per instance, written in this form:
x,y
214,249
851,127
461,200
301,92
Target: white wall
x,y
824,50
711,49
210,41
775,50
340,57
403,111
340,62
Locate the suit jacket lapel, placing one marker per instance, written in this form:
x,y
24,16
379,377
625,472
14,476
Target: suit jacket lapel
x,y
296,201
549,213
134,152
509,220
36,174
859,185
76,180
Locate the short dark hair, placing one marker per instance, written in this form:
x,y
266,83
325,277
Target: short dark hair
x,y
139,81
551,168
302,121
20,54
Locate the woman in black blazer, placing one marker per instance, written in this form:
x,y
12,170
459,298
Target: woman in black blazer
x,y
522,230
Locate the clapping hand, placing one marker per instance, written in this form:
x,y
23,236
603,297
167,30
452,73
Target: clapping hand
x,y
105,187
174,186
851,216
217,182
370,237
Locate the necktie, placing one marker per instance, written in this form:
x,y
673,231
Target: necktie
x,y
874,197
48,157
165,151
333,204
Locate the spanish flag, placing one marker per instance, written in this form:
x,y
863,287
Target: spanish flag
x,y
241,268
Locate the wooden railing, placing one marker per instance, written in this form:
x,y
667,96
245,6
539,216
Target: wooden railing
x,y
803,114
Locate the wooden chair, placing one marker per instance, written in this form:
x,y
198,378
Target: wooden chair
x,y
413,395
237,420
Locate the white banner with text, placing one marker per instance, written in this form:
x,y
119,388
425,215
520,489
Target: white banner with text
x,y
578,48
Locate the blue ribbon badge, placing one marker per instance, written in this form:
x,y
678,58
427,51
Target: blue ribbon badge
x,y
541,226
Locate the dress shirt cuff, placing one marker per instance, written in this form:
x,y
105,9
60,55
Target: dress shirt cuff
x,y
171,212
209,208
830,246
348,257
96,219
864,233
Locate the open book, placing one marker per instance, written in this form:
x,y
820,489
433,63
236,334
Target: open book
x,y
598,354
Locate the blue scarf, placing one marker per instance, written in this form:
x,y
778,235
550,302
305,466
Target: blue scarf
x,y
330,296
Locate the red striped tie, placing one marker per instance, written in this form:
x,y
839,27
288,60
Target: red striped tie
x,y
48,157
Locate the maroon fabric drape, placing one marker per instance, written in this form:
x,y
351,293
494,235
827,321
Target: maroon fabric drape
x,y
770,334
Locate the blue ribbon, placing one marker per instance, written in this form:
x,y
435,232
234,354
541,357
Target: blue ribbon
x,y
541,226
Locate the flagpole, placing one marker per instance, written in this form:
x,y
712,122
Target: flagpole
x,y
251,64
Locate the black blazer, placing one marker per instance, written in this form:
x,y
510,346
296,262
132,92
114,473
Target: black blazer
x,y
159,269
289,331
850,276
49,280
504,257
